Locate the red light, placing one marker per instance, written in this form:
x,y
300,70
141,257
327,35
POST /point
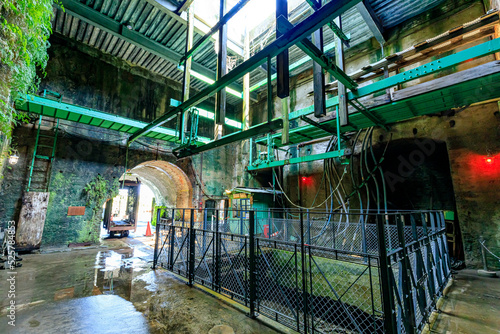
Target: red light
x,y
304,178
489,160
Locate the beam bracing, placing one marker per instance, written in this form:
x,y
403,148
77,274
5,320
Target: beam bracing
x,y
368,14
220,100
316,4
187,72
283,58
297,33
315,53
319,78
184,6
222,21
342,91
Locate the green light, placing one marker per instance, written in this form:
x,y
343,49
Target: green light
x,y
210,82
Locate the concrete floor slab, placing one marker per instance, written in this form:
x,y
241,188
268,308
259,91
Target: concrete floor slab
x,y
472,306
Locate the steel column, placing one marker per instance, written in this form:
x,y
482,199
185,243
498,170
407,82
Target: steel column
x,y
283,58
252,264
220,100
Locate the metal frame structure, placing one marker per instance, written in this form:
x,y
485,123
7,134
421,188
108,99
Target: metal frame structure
x,y
283,264
293,36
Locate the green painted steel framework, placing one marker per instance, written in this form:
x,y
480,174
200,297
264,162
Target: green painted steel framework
x,y
70,112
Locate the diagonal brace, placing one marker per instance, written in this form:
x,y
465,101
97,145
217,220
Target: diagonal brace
x,y
319,57
335,28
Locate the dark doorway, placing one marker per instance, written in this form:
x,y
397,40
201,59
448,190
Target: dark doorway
x,y
418,177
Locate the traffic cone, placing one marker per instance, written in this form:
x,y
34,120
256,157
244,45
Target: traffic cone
x,y
148,231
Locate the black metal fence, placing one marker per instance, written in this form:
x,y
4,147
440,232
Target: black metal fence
x,y
314,272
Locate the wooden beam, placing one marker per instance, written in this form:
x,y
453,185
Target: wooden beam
x,y
339,56
282,59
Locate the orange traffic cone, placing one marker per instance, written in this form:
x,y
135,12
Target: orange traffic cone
x,y
148,231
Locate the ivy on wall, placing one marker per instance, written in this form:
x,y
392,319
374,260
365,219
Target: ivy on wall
x,y
24,31
98,191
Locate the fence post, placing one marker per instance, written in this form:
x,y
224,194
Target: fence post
x,y
409,318
157,238
218,241
385,283
192,244
172,242
304,273
253,267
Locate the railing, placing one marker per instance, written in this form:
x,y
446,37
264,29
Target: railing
x,y
314,272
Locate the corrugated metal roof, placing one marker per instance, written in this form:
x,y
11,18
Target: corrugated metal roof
x,y
393,12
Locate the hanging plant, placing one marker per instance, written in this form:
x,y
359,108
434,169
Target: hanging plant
x,y
97,192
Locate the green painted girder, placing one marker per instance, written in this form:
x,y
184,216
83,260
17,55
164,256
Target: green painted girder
x,y
292,37
70,112
298,160
453,96
318,56
335,28
185,151
433,67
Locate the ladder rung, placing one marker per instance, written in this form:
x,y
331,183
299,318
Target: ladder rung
x,y
42,157
47,136
45,146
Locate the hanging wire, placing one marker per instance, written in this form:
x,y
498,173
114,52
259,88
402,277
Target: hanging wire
x,y
314,207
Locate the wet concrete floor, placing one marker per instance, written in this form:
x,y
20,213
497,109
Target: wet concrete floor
x,y
111,289
472,306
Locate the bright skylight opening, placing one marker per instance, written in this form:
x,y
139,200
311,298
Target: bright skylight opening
x,y
255,12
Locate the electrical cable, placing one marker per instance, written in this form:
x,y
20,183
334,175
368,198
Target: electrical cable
x,y
301,207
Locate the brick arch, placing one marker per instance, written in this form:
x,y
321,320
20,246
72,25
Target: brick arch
x,y
170,185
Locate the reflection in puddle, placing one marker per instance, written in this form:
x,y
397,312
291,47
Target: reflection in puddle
x,y
114,271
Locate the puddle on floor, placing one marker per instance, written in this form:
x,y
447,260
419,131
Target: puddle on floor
x,y
77,274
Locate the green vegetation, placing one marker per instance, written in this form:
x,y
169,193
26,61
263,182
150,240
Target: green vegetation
x,y
24,32
98,190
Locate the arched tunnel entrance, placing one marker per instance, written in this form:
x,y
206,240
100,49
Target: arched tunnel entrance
x,y
169,185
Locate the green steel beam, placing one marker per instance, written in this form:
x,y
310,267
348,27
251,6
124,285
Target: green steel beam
x,y
60,110
433,67
296,34
335,28
117,29
307,158
319,57
448,96
182,152
292,67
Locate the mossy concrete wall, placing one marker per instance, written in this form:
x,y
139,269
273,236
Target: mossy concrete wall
x,y
97,81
